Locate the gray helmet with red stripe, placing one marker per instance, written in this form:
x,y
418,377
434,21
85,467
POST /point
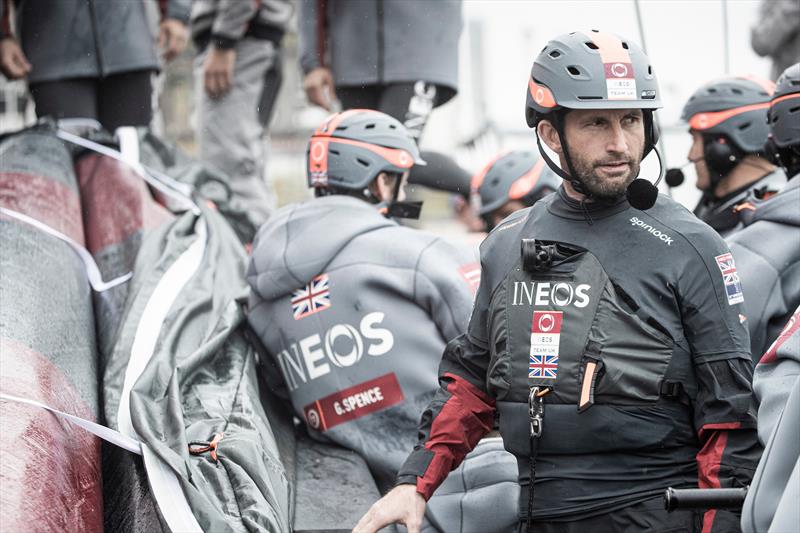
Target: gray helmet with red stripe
x,y
734,107
351,148
590,70
784,109
518,175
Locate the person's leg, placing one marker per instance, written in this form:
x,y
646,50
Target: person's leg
x,y
412,104
72,98
126,99
229,129
363,97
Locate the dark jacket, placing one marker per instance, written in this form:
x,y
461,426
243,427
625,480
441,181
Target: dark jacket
x,y
667,400
382,41
724,214
227,21
349,303
767,253
66,39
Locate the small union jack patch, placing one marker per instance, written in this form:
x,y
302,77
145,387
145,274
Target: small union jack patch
x,y
543,366
314,297
730,278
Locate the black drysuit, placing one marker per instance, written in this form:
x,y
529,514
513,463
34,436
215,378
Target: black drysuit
x,y
635,327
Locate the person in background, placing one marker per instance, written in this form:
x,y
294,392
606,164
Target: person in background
x,y
767,250
355,309
728,123
91,60
237,74
777,33
399,57
510,182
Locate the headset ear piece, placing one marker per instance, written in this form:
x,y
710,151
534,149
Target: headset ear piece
x,y
720,155
771,151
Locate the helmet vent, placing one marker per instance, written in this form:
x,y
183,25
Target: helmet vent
x,y
369,127
362,162
745,126
555,54
736,90
590,98
712,90
625,45
495,181
794,109
649,70
591,45
572,69
341,128
392,127
333,151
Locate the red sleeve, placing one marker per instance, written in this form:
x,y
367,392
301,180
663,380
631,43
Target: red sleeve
x,y
460,414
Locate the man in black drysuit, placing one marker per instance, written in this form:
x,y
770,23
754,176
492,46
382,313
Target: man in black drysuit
x,y
607,338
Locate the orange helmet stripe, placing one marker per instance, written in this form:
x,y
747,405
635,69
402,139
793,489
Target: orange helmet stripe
x,y
609,46
541,94
526,182
395,156
704,121
477,179
784,97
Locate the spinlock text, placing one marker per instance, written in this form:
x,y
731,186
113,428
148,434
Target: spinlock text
x,y
635,221
561,294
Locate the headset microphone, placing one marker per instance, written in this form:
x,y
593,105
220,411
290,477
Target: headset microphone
x,y
675,177
641,193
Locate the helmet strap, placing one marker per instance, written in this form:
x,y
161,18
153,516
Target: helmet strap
x,y
572,176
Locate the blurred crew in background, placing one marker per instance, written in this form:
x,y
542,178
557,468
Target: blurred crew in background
x,y
767,250
399,57
777,33
237,75
510,182
92,60
728,123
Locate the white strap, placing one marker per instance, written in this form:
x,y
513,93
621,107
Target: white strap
x,y
165,486
92,271
105,433
177,191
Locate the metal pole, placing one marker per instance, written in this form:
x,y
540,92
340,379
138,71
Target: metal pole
x,y
726,37
655,116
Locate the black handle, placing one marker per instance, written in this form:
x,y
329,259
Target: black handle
x,y
704,498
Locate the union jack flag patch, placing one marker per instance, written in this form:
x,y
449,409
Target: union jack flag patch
x,y
730,278
543,366
314,297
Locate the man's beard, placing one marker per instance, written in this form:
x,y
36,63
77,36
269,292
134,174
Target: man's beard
x,y
601,187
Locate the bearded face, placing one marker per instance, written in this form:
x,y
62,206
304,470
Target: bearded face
x,y
605,148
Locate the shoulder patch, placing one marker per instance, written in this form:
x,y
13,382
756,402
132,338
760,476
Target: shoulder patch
x,y
730,278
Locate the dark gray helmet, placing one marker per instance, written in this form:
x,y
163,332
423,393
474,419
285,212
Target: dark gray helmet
x,y
784,109
519,175
590,70
351,148
735,108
